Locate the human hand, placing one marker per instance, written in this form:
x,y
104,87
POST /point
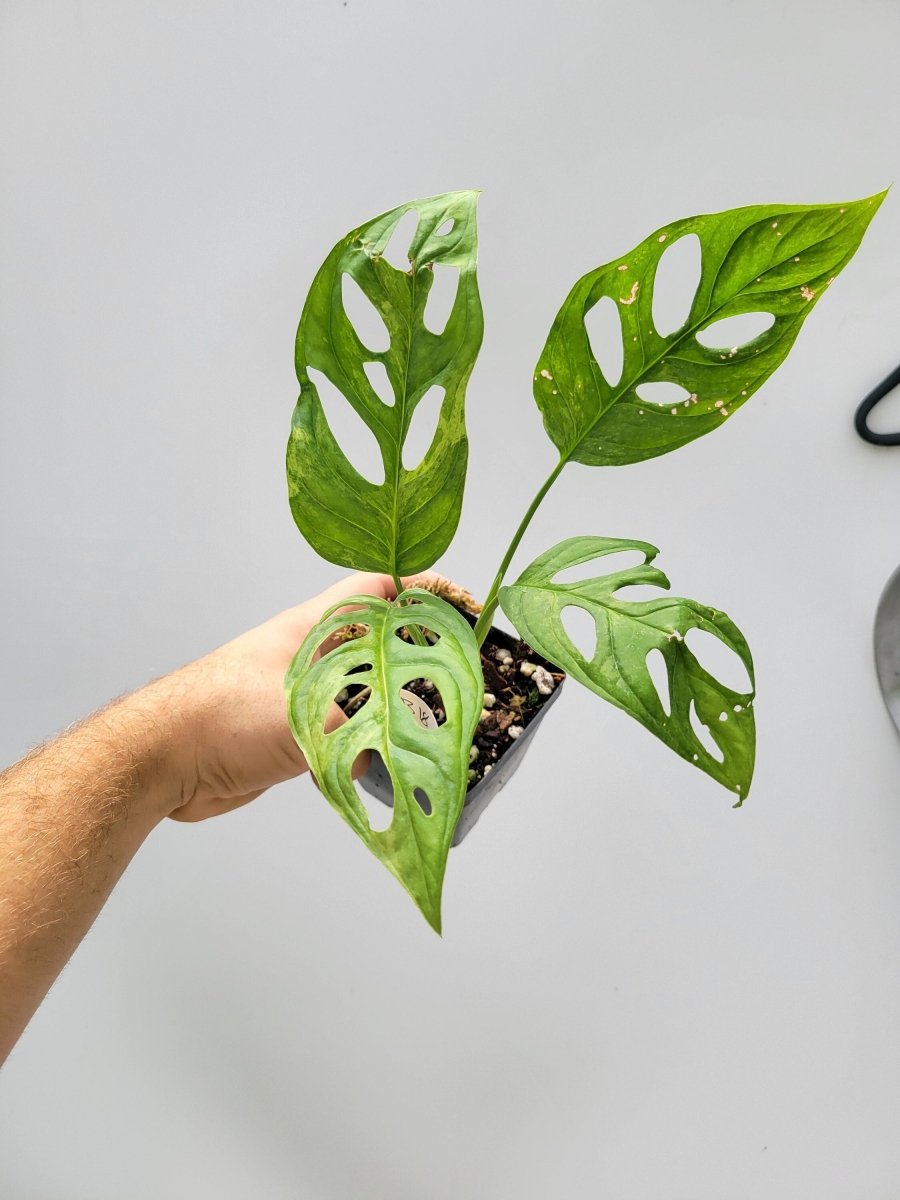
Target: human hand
x,y
234,741
193,744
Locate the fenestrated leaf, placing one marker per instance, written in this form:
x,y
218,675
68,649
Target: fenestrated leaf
x,y
403,524
415,845
627,631
776,259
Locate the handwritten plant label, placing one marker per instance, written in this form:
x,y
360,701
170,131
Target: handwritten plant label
x,y
419,709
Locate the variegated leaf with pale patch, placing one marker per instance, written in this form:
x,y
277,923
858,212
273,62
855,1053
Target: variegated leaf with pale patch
x,y
402,522
427,766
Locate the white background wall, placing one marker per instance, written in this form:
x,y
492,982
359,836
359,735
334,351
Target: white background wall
x,y
641,993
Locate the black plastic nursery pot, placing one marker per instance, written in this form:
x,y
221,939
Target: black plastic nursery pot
x,y
377,780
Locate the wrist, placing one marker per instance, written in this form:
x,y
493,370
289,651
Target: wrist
x,y
156,723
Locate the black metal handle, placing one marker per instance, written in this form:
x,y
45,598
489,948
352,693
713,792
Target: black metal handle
x,y
862,428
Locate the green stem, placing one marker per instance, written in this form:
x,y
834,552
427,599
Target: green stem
x,y
414,631
490,605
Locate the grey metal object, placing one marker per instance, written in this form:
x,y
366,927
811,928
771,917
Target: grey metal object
x,y
377,781
887,645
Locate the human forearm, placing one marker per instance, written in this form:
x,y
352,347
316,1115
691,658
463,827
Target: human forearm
x,y
199,742
72,815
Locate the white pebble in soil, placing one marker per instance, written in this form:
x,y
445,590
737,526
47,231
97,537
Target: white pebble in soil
x,y
527,669
502,655
515,731
473,753
543,680
488,769
489,699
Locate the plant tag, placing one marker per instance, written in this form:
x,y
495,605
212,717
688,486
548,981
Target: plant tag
x,y
419,709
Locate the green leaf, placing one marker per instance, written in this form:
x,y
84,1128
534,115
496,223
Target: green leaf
x,y
776,259
430,761
626,632
403,524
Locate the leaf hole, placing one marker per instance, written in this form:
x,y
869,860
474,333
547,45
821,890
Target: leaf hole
x,y
378,813
603,326
675,284
364,316
421,798
604,564
424,703
430,635
663,393
733,332
581,629
376,373
397,250
659,673
352,434
445,227
422,428
352,700
704,737
347,633
719,660
441,297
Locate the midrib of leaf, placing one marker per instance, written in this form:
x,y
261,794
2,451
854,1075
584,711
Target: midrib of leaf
x,y
612,606
689,331
382,670
612,609
608,605
398,458
388,632
391,434
609,611
623,677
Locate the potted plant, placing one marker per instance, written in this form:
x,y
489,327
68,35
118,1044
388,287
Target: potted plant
x,y
445,702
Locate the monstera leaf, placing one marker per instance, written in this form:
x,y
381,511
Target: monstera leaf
x,y
405,522
627,632
427,766
775,259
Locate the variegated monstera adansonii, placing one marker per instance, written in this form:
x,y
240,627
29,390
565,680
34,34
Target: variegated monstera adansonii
x,y
777,260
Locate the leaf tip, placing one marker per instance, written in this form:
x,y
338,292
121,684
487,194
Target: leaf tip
x,y
874,202
743,789
868,206
428,903
433,918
